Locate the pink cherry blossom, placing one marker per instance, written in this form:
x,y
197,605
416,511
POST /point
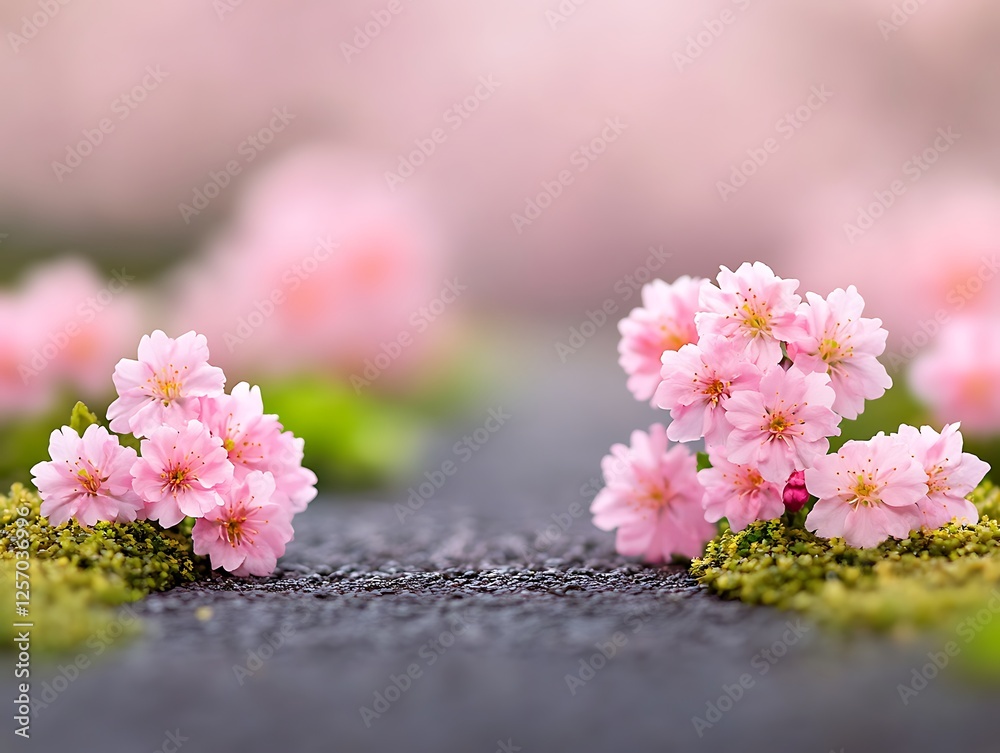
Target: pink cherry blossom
x,y
164,385
957,376
698,381
248,532
88,478
652,496
180,472
795,495
784,426
664,322
249,436
867,492
753,305
951,474
255,441
846,345
738,493
295,485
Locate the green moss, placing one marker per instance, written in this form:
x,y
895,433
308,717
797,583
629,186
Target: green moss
x,y
931,579
79,575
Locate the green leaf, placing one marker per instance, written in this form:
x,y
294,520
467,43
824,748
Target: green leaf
x,y
81,418
703,461
129,440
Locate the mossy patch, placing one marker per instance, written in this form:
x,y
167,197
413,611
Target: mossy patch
x,y
930,580
78,575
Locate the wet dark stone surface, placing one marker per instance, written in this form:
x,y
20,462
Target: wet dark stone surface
x,y
481,616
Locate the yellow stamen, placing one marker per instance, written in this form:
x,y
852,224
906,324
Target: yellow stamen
x,y
829,350
90,482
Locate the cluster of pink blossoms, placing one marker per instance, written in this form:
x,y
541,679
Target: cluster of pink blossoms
x,y
207,455
764,378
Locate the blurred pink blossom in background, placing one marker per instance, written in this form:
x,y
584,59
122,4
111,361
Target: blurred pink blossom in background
x,y
65,327
842,143
319,270
692,112
957,377
933,256
20,395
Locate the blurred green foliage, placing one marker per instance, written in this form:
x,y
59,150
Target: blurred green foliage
x,y
24,442
897,406
352,441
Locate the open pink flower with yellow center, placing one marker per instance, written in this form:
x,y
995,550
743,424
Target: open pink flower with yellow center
x,y
652,496
697,382
164,385
255,441
88,478
867,492
248,532
957,376
238,420
664,322
753,305
844,344
739,494
951,474
180,472
783,426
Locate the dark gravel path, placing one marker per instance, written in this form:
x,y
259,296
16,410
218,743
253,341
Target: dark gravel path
x,y
494,630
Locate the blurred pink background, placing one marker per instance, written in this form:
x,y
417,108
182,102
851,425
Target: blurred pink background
x,y
535,151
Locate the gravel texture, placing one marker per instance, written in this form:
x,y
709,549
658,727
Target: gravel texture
x,y
494,627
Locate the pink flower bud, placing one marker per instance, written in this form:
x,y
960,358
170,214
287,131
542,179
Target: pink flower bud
x,y
795,495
